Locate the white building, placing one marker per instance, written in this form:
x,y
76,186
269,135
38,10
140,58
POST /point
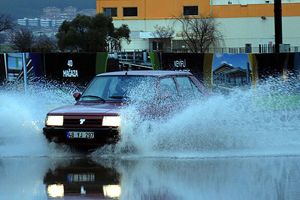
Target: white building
x,y
23,22
46,22
246,25
34,22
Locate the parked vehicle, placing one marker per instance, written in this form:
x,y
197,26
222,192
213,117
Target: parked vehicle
x,y
94,120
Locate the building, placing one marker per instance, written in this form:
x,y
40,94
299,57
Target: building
x,y
34,22
247,25
227,75
45,22
88,12
51,11
69,13
23,22
70,10
57,22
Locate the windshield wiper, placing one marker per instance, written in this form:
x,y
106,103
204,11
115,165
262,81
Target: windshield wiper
x,y
94,96
118,97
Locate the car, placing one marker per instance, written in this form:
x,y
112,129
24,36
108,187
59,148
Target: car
x,y
72,178
94,120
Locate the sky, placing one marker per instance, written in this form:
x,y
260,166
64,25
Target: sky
x,y
34,8
236,60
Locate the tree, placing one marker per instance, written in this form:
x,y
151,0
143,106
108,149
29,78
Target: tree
x,y
85,33
6,22
163,37
44,44
22,40
200,33
119,34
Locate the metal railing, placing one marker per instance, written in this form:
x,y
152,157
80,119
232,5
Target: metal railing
x,y
260,49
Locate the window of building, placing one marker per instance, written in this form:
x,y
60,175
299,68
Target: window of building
x,y
190,10
157,45
248,48
130,12
154,45
112,12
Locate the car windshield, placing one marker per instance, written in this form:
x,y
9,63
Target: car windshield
x,y
112,88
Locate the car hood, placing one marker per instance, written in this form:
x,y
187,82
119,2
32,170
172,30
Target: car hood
x,y
88,109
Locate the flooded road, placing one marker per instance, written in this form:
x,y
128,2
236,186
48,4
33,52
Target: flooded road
x,y
150,178
222,148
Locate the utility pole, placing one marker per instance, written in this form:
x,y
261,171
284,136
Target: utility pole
x,y
278,25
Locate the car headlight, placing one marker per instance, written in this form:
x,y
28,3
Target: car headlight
x,y
55,190
54,120
111,121
112,191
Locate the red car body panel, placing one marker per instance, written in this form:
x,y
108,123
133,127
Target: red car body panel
x,y
88,109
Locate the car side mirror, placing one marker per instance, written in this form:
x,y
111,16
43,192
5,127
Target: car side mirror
x,y
77,96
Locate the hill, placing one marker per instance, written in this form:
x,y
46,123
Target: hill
x,y
34,8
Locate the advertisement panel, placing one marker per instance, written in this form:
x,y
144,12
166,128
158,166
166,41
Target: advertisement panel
x,y
219,71
230,71
14,65
69,67
2,69
191,62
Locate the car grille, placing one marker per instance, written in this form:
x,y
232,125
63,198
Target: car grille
x,y
85,123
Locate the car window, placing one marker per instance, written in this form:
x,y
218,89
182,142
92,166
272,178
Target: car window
x,y
141,88
188,89
119,87
168,90
97,88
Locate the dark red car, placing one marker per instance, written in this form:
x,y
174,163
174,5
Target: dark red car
x,y
94,119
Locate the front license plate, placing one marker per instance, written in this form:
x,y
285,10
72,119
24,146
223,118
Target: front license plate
x,y
88,177
78,134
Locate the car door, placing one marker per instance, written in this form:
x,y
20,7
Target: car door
x,y
169,98
187,89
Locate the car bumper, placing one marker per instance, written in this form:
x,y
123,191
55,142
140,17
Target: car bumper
x,y
102,136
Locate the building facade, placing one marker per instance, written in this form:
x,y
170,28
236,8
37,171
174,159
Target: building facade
x,y
246,25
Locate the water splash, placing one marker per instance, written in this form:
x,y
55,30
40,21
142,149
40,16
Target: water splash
x,y
254,121
22,119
